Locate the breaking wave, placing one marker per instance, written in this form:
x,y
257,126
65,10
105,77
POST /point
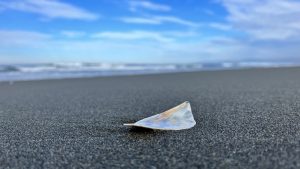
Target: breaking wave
x,y
79,69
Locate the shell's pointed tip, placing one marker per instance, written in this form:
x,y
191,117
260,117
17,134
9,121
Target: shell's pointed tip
x,y
128,124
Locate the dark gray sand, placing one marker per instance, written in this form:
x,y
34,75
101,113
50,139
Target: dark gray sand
x,y
245,119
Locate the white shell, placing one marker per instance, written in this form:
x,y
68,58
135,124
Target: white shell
x,y
177,118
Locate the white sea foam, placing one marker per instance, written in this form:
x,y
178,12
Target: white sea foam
x,y
79,69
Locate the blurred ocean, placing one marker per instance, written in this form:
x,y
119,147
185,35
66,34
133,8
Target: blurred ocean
x,y
16,72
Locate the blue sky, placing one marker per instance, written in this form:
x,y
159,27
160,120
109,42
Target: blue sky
x,y
149,31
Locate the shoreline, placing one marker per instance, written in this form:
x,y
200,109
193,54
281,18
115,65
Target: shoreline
x,y
144,74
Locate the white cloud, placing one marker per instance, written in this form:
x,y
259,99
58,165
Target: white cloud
x,y
136,4
265,19
139,20
181,34
140,46
155,20
133,35
176,20
11,38
73,34
220,26
23,46
49,8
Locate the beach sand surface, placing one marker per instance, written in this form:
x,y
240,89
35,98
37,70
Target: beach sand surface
x,y
245,119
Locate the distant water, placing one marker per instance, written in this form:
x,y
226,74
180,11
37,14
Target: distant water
x,y
16,72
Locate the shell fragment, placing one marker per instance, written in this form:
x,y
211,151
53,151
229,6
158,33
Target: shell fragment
x,y
177,118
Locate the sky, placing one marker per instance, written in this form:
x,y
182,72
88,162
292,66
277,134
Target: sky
x,y
149,31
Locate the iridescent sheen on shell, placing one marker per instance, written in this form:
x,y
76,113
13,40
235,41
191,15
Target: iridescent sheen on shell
x,y
177,118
